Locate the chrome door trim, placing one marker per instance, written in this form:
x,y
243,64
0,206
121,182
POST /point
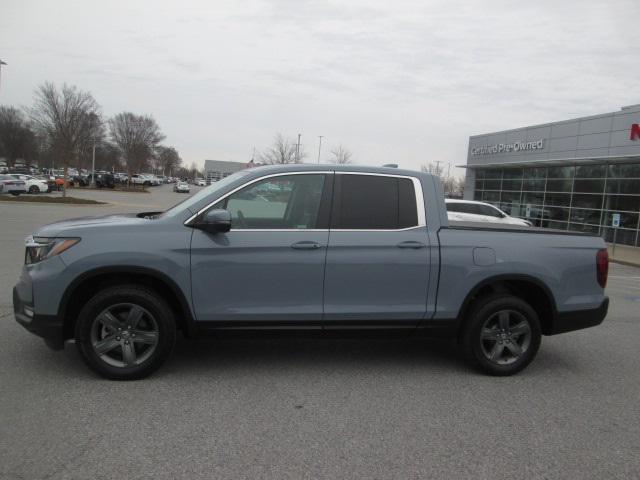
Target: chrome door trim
x,y
417,188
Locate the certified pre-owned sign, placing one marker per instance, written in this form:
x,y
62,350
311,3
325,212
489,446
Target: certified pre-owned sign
x,y
508,147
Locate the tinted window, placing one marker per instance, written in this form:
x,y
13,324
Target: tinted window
x,y
374,203
624,171
407,208
488,211
288,201
454,207
462,207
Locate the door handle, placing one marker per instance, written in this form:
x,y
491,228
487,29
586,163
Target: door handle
x,y
306,245
411,244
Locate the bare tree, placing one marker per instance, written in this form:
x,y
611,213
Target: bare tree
x,y
283,151
136,137
64,116
433,168
17,140
340,155
452,186
168,159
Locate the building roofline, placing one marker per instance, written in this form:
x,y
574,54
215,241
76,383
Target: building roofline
x,y
557,161
623,111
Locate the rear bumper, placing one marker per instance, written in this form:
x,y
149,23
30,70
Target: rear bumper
x,y
49,327
579,319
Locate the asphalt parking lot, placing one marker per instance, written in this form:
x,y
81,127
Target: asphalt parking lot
x,y
300,408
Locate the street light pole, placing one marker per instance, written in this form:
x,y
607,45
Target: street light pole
x,y
298,149
319,146
1,63
93,163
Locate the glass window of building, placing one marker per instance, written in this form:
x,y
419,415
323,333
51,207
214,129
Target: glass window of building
x,y
569,197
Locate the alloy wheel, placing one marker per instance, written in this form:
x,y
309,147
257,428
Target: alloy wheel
x,y
505,336
124,335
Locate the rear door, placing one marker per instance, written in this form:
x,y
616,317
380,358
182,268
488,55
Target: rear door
x,y
377,266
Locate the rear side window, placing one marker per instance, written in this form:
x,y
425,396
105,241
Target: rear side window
x,y
488,211
462,208
371,202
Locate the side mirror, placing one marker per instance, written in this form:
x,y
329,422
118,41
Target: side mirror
x,y
215,221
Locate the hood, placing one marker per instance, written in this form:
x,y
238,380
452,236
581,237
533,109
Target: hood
x,y
75,225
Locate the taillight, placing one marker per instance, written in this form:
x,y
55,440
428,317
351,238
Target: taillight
x,y
602,265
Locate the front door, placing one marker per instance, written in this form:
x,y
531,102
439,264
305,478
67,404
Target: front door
x,y
378,260
268,270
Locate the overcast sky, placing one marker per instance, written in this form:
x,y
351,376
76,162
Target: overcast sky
x,y
401,82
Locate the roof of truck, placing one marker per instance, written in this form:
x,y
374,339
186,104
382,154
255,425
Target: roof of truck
x,y
296,167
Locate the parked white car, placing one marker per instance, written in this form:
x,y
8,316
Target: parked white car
x,y
155,181
8,184
34,185
470,211
201,182
144,179
181,187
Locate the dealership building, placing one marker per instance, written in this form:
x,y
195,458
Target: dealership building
x,y
580,175
215,170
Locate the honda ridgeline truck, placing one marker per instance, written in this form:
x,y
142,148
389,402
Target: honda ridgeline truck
x,y
313,248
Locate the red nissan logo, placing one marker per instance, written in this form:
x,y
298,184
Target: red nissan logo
x,y
635,131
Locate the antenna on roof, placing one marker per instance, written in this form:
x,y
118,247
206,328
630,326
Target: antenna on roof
x,y
390,165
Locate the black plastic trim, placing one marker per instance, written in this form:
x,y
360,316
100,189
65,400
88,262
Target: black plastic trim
x,y
49,327
579,319
505,278
462,225
184,305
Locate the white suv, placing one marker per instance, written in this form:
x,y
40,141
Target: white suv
x,y
470,211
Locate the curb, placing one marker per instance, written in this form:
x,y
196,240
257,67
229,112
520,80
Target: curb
x,y
625,262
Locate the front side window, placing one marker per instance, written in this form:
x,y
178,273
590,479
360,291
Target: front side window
x,y
282,202
372,202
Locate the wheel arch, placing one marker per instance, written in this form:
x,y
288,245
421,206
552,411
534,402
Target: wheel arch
x,y
531,289
88,283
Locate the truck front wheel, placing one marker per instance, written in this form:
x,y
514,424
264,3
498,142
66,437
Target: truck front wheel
x,y
501,335
125,332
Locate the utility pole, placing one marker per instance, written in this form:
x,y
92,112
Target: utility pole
x,y
94,119
319,146
93,163
298,149
1,63
438,162
448,169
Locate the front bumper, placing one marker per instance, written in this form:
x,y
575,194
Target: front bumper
x,y
49,327
579,319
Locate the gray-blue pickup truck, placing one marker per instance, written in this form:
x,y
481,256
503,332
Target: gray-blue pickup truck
x,y
306,248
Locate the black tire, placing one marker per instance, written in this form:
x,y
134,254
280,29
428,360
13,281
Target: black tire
x,y
482,335
34,189
90,332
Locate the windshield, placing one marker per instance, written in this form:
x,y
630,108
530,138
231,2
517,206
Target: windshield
x,y
204,193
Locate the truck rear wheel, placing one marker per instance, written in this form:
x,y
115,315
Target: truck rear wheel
x,y
501,335
126,332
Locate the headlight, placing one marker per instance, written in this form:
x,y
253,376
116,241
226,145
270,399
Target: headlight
x,y
41,248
